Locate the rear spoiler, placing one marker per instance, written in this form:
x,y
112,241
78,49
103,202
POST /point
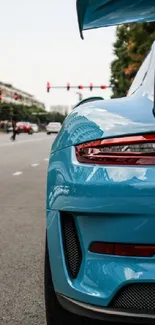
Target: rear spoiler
x,y
89,99
102,13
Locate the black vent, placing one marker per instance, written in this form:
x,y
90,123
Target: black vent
x,y
72,249
137,296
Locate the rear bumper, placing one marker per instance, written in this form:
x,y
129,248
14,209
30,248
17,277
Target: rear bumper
x,y
106,314
108,204
52,131
100,277
24,131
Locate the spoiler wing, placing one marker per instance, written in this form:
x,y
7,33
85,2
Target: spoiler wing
x,y
102,13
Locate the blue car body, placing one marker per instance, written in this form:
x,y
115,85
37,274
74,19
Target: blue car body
x,y
112,204
100,203
103,13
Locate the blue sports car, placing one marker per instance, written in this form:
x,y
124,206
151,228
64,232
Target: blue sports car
x,y
100,242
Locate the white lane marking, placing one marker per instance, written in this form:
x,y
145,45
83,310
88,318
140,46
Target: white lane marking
x,y
34,165
46,159
21,142
17,173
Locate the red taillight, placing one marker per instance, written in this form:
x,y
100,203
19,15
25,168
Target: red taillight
x,y
123,249
131,150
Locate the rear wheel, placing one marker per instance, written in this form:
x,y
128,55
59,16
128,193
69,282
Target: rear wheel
x,y
55,314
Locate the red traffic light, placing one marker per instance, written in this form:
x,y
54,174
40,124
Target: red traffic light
x,y
80,87
15,96
68,86
91,86
103,87
48,86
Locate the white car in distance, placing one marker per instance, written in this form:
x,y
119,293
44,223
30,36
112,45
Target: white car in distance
x,y
53,127
35,127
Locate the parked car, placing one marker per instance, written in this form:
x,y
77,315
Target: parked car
x,y
100,242
24,127
35,127
53,127
9,128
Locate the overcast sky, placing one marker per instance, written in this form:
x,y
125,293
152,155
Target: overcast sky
x,y
40,42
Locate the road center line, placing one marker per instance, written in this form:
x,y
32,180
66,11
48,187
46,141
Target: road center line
x,y
34,165
17,173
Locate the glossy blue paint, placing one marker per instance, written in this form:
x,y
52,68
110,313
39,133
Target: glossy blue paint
x,y
113,204
102,13
100,276
99,189
104,119
108,203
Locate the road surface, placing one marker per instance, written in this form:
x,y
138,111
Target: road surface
x,y
23,169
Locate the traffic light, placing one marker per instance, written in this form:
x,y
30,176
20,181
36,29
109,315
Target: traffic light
x,y
68,86
91,86
103,87
16,96
48,86
80,87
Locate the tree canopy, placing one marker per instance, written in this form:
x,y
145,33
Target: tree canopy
x,y
28,114
132,44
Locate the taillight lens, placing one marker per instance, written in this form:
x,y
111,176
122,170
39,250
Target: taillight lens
x,y
130,150
122,249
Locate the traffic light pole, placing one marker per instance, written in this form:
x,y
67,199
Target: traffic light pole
x,y
80,87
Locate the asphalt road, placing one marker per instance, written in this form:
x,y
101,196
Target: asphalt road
x,y
23,169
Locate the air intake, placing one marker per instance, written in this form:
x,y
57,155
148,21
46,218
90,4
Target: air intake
x,y
72,249
138,297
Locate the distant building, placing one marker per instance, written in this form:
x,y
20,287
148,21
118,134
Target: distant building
x,y
8,91
62,109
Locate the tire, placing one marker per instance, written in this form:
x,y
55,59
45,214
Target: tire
x,y
55,314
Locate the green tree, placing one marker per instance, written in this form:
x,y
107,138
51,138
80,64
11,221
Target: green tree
x,y
21,112
56,117
28,114
132,44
